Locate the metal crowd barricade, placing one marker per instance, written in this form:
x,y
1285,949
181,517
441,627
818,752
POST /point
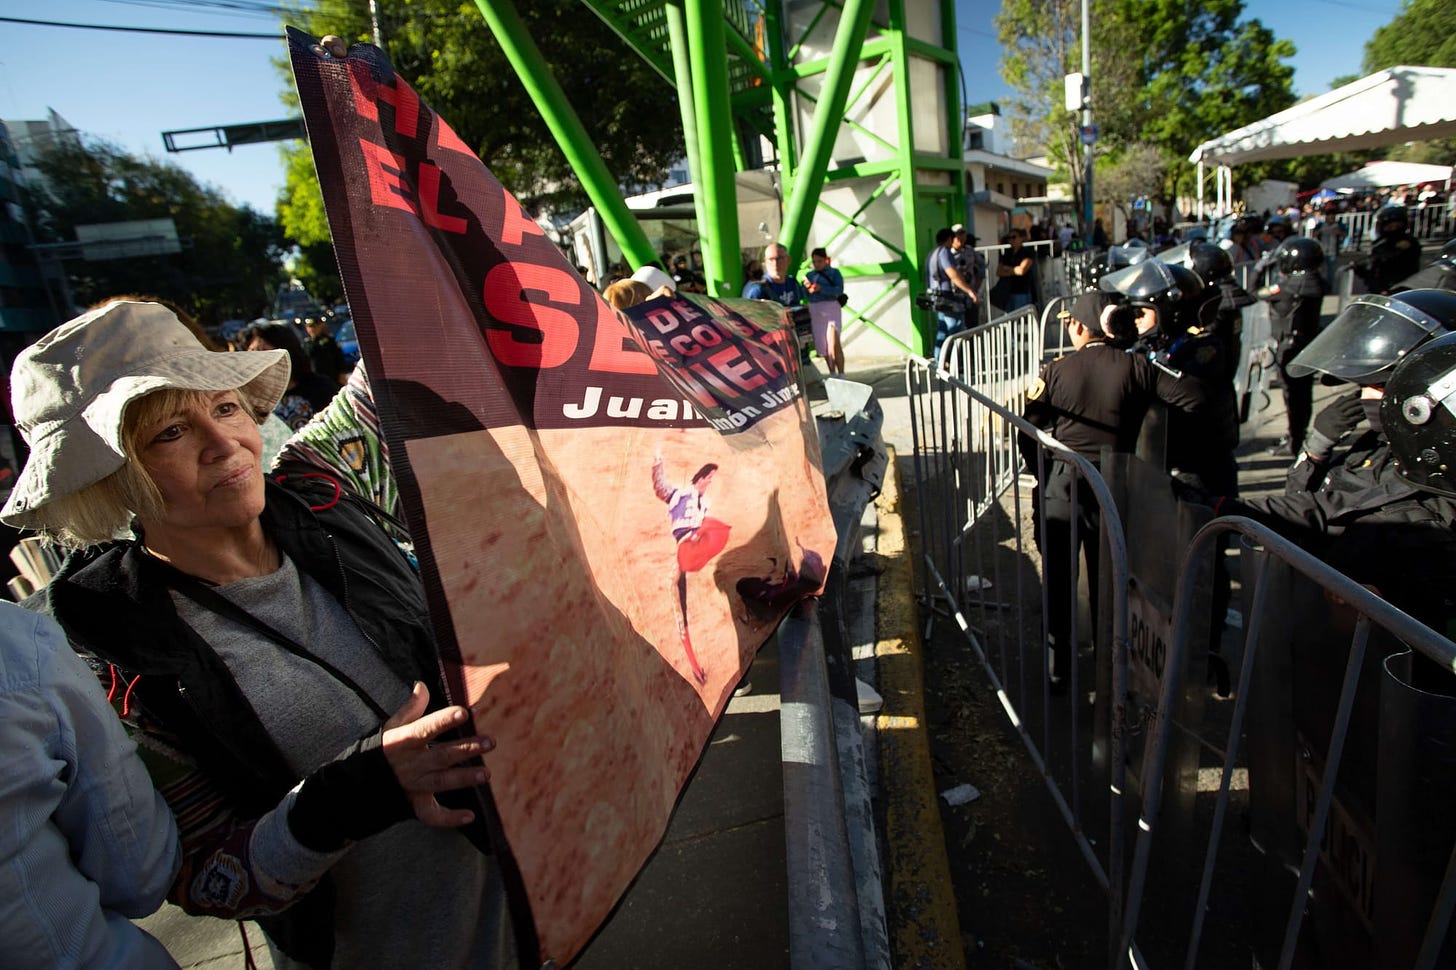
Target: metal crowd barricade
x,y
1422,221
1320,844
1051,278
967,467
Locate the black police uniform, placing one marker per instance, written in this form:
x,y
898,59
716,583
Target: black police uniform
x,y
1094,398
1393,257
1294,315
1387,533
1202,443
1228,320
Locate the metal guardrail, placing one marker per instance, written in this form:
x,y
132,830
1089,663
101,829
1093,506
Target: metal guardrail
x,y
964,537
1370,611
1424,222
974,571
836,904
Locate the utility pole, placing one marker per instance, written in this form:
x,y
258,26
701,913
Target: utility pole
x,y
1088,132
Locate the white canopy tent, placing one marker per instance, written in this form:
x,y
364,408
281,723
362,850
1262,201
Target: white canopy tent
x,y
1390,107
1375,175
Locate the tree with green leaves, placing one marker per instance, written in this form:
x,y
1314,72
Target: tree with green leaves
x,y
1167,73
1136,171
1041,44
444,49
230,262
1420,34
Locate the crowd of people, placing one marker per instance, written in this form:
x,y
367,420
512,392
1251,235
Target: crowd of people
x,y
1163,330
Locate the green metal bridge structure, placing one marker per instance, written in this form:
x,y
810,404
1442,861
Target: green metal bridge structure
x,y
858,103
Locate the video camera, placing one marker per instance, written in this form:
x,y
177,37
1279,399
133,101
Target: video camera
x,y
950,302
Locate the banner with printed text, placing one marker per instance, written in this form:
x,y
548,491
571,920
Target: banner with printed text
x,y
612,511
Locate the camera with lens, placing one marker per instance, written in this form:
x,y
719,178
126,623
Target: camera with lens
x,y
951,303
803,324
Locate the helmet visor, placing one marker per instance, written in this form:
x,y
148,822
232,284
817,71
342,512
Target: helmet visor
x,y
1365,341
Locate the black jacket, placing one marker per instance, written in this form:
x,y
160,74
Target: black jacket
x,y
1294,309
116,605
1389,535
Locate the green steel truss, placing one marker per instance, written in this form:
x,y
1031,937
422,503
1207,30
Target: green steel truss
x,y
863,111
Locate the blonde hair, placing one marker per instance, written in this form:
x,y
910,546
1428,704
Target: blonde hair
x,y
104,510
625,293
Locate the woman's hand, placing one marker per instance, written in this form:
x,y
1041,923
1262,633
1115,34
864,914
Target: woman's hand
x,y
423,768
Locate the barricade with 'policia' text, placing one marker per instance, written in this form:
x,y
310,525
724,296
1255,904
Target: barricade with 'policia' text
x,y
1347,708
1305,818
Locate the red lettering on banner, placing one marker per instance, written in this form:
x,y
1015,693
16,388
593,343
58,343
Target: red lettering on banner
x,y
615,351
707,335
505,298
430,201
686,311
730,363
445,137
664,321
387,185
515,224
367,91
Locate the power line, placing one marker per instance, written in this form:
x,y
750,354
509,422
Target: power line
x,y
237,35
225,8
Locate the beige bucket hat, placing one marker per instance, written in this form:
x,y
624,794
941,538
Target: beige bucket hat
x,y
69,392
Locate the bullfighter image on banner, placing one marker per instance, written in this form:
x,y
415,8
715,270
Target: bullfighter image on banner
x,y
611,512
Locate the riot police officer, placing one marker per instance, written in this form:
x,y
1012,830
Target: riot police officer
x,y
1295,304
1174,335
1095,397
1394,255
1362,345
1398,532
1221,289
1441,274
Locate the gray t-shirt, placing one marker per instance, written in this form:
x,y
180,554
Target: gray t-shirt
x,y
399,894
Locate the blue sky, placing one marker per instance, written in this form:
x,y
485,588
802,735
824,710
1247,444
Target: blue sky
x,y
128,88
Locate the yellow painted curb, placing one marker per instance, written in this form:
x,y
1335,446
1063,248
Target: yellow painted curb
x,y
924,928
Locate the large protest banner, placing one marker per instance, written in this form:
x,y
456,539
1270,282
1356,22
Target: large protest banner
x,y
611,513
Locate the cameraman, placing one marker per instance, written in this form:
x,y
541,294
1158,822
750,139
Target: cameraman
x,y
946,280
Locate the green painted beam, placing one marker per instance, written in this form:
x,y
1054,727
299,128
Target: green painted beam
x,y
677,30
717,194
854,23
567,128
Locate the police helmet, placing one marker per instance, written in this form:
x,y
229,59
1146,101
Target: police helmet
x,y
1389,215
1371,335
1196,234
1419,416
1154,283
1300,254
1276,222
1210,262
1130,253
1175,254
1448,254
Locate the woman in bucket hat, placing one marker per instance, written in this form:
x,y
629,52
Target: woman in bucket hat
x,y
261,629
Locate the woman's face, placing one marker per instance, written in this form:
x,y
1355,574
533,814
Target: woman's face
x,y
204,456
